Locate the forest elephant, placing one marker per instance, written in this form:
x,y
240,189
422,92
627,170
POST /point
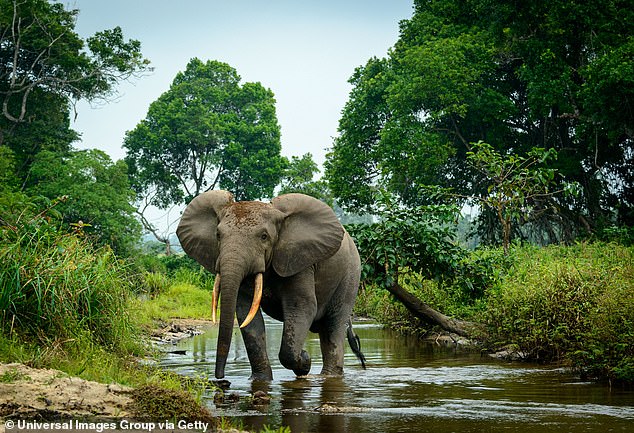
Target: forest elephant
x,y
290,258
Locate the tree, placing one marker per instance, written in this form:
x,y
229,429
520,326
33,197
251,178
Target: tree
x,y
96,195
516,186
45,66
299,177
418,240
206,131
551,75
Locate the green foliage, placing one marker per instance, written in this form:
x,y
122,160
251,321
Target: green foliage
x,y
516,187
569,304
7,170
462,293
419,239
542,74
298,177
41,51
180,300
207,131
157,273
622,235
96,193
155,283
44,66
56,288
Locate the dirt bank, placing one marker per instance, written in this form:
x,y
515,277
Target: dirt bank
x,y
47,394
30,393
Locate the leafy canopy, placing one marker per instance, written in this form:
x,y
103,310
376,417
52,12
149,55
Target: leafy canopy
x,y
207,131
542,74
96,195
45,67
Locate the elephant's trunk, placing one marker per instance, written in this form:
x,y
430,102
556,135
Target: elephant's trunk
x,y
229,285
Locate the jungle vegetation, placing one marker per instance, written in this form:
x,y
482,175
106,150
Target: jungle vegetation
x,y
522,112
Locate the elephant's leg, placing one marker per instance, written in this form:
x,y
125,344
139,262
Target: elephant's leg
x,y
300,306
254,337
332,339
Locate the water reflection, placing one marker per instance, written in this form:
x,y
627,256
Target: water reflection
x,y
410,386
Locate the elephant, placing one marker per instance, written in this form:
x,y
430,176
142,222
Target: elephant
x,y
290,258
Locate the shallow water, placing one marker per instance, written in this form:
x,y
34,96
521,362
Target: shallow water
x,y
409,386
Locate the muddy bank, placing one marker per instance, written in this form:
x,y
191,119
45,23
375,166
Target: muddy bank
x,y
46,394
177,329
30,393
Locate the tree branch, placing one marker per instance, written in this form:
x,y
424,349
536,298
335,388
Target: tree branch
x,y
430,316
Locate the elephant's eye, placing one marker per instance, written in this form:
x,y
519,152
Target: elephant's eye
x,y
264,236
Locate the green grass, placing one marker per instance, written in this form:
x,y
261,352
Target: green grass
x,y
64,303
180,300
55,288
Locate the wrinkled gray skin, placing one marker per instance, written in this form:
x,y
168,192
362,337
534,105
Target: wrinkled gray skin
x,y
311,272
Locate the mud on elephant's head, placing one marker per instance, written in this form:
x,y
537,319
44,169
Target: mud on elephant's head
x,y
240,240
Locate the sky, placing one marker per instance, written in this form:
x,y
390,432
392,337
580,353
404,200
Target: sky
x,y
304,51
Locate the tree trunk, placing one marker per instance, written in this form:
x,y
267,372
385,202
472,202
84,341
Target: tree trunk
x,y
429,315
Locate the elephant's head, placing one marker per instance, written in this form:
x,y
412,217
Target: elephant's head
x,y
236,240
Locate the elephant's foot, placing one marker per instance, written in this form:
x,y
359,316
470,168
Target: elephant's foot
x,y
332,371
300,366
304,367
262,376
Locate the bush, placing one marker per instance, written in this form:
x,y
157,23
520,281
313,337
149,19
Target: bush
x,y
573,305
155,283
55,287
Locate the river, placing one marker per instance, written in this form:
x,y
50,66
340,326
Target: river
x,y
409,386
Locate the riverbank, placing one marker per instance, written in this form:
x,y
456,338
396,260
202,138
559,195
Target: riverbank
x,y
47,394
37,393
570,306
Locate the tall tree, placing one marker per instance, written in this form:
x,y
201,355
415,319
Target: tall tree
x,y
206,131
299,177
45,66
553,75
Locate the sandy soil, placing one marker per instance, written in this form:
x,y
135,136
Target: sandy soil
x,y
38,393
29,393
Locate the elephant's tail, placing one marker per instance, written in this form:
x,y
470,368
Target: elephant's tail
x,y
355,344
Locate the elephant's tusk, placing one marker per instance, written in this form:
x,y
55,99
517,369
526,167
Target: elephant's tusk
x,y
214,299
257,297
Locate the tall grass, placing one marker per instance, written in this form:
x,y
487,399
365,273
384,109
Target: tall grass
x,y
59,294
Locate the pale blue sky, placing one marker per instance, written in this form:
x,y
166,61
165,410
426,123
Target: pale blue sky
x,y
304,51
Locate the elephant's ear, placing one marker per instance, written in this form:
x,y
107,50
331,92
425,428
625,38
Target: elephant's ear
x,y
197,228
310,233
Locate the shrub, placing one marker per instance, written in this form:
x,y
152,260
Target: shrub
x,y
155,283
569,304
55,287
